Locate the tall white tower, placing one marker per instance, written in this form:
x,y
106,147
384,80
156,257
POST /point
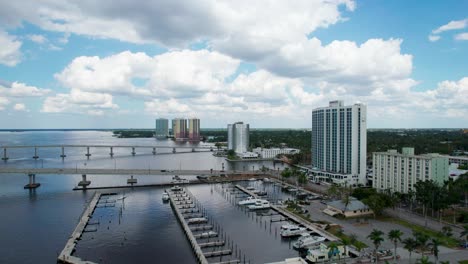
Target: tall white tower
x,y
339,143
238,137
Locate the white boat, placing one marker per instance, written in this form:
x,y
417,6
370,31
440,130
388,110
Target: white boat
x,y
252,179
288,226
308,241
197,220
260,204
248,201
250,188
292,231
176,188
206,234
266,180
165,196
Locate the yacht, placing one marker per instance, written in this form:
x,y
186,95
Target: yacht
x,y
248,201
176,188
307,241
165,196
266,180
252,179
261,193
292,231
250,188
260,204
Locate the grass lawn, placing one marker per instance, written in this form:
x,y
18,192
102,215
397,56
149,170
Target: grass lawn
x,y
445,241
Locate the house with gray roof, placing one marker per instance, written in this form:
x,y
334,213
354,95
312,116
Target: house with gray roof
x,y
354,208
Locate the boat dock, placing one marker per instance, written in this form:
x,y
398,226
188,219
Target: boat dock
x,y
290,216
66,254
200,230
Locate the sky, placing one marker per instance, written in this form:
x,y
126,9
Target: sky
x,y
123,63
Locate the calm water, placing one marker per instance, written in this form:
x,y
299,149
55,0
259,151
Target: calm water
x,y
36,224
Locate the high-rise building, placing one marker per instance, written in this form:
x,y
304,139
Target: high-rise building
x,y
179,128
162,128
238,137
339,143
194,129
399,172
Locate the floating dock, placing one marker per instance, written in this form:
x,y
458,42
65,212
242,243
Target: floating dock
x,y
193,241
183,203
66,254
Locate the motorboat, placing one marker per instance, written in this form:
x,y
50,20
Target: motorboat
x,y
293,231
288,226
176,178
292,190
197,220
252,179
250,200
165,196
250,188
261,193
307,241
259,204
206,234
176,188
266,180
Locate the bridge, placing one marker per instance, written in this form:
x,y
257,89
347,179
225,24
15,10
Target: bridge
x,y
31,172
111,148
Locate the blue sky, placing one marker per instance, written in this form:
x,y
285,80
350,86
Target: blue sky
x,y
98,65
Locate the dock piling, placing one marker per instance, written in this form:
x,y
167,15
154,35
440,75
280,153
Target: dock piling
x,y
63,153
35,154
87,152
5,157
32,182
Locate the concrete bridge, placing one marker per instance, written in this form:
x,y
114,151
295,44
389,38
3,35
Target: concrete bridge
x,y
31,172
132,149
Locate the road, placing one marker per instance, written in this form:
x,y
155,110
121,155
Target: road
x,y
119,171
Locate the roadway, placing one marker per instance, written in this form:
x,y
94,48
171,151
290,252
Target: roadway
x,y
90,171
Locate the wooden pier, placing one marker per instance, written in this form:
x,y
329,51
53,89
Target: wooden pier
x,y
66,254
193,241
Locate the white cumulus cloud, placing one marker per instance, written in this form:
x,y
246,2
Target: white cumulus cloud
x,y
20,107
462,36
10,53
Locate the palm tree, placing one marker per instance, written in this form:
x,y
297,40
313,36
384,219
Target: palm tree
x,y
424,260
435,248
346,242
332,249
395,236
421,240
376,237
410,245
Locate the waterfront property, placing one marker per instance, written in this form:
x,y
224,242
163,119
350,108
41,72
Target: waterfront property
x,y
339,143
326,251
400,171
353,209
238,137
162,128
271,153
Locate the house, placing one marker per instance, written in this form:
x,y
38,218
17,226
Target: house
x,y
352,209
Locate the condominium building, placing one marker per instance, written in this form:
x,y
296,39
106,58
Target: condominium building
x,y
339,143
399,172
271,153
238,137
179,128
162,128
194,129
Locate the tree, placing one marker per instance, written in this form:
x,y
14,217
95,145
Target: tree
x,y
447,231
410,245
376,237
435,243
346,242
332,250
424,260
286,173
395,236
302,178
421,241
375,203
